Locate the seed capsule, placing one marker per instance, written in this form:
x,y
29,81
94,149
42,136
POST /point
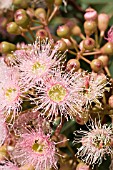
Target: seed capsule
x,y
90,27
21,18
63,31
103,21
76,30
13,28
96,65
107,49
40,14
104,59
62,45
41,33
73,64
6,47
89,43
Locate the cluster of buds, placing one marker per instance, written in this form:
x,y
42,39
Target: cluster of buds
x,y
45,84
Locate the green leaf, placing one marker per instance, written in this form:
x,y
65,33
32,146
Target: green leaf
x,y
68,125
108,8
111,21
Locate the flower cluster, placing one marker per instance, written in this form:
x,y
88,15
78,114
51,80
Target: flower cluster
x,y
54,79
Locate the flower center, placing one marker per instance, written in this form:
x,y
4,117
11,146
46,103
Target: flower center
x,y
57,93
38,68
101,141
37,147
11,94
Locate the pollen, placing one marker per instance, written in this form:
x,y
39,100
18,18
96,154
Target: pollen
x,y
37,67
11,94
57,93
37,147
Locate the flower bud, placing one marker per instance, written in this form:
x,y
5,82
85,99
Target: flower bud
x,y
58,2
13,28
82,166
96,65
73,64
21,18
103,21
90,14
76,30
110,101
88,44
62,45
40,14
63,31
90,27
41,33
107,48
20,11
104,59
6,47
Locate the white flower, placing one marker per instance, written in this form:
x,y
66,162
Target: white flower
x,y
94,86
96,143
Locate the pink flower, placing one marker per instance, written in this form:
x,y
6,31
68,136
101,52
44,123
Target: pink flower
x,y
58,94
38,60
96,143
12,91
37,149
110,35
